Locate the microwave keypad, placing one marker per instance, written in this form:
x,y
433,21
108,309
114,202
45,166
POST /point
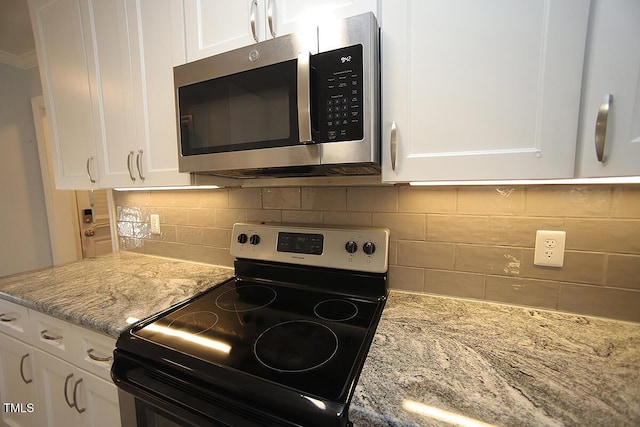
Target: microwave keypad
x,y
340,109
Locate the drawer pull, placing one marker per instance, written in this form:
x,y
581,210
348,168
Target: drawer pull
x,y
26,381
7,319
98,358
75,397
66,396
49,337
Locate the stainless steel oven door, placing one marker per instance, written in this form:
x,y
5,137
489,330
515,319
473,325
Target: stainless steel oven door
x,y
254,98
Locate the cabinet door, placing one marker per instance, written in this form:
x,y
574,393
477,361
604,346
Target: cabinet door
x,y
216,26
56,380
112,84
17,385
157,45
481,90
612,67
60,45
101,399
291,16
69,396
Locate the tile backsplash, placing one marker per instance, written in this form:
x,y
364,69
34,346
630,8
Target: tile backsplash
x,y
470,242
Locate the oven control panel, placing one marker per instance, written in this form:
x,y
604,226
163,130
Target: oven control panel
x,y
355,248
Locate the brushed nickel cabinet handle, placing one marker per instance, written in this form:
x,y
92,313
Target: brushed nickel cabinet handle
x,y
44,334
98,358
252,19
7,319
270,18
393,145
26,381
66,396
89,161
75,397
129,157
139,165
601,127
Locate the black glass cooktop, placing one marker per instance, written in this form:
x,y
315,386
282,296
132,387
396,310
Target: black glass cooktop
x,y
289,335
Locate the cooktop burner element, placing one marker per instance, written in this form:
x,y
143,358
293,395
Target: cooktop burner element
x,y
296,346
336,309
281,343
246,298
195,323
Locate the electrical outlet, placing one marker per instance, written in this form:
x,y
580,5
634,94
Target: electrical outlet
x,y
549,250
155,223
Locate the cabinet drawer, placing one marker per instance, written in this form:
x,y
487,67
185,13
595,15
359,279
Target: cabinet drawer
x,y
51,334
14,320
93,351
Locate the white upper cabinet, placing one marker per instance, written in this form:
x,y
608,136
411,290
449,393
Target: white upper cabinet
x,y
107,73
481,90
612,77
63,56
137,44
216,26
112,86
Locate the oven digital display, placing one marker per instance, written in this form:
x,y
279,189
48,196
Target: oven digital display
x,y
300,243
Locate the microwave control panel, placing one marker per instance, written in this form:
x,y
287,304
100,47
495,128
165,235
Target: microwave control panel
x,y
340,95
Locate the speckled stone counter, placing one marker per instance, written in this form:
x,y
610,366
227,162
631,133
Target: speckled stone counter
x,y
101,293
434,359
431,358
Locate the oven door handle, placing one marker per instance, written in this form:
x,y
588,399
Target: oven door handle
x,y
304,98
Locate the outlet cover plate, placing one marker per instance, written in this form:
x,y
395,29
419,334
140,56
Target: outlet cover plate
x,y
549,249
155,223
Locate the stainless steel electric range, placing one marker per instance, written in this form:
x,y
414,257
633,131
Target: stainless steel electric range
x,y
282,343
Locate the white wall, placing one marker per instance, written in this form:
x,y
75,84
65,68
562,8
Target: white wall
x,y
24,237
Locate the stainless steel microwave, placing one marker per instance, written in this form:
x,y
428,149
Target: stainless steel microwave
x,y
288,106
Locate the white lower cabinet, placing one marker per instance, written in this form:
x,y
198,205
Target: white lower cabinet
x,y
17,385
70,396
53,373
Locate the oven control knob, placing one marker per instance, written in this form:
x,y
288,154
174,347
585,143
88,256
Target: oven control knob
x,y
351,246
369,248
254,239
242,238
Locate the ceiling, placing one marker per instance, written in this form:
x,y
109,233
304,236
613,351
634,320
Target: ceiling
x,y
16,36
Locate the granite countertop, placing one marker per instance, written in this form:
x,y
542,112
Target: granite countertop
x,y
431,358
491,364
101,293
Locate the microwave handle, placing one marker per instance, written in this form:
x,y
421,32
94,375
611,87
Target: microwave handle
x,y
304,98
